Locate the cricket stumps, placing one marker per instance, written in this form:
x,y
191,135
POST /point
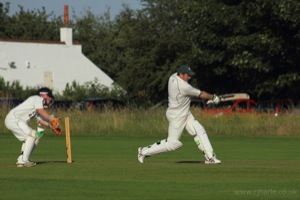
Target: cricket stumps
x,y
68,140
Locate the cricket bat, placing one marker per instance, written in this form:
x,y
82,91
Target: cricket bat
x,y
231,97
234,96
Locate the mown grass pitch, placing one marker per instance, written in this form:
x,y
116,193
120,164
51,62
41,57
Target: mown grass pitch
x,y
106,167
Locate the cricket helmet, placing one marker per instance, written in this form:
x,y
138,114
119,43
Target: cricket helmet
x,y
45,92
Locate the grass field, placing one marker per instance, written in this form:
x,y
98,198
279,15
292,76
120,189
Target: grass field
x,y
106,167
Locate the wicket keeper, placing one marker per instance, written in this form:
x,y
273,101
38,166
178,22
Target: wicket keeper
x,y
17,122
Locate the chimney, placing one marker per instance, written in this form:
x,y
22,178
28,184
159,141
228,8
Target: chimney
x,y
66,34
66,15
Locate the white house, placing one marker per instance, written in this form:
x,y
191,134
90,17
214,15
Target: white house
x,y
50,64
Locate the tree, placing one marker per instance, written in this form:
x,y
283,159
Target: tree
x,y
29,25
148,46
248,45
4,19
232,45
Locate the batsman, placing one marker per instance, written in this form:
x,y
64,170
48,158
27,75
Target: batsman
x,y
17,121
179,117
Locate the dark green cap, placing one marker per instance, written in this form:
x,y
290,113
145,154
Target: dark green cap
x,y
184,69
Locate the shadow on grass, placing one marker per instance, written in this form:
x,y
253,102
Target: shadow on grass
x,y
52,161
190,162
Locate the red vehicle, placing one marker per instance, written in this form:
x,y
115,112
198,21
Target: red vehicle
x,y
229,107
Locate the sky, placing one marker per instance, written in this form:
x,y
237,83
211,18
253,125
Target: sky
x,y
97,7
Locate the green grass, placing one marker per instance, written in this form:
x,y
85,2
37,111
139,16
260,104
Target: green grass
x,y
141,122
106,167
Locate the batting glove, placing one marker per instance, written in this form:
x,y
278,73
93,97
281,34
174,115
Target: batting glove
x,y
215,99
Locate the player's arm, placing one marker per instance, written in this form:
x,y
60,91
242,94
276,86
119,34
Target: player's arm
x,y
44,114
205,95
49,121
53,121
211,97
44,123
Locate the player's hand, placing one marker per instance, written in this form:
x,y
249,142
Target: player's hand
x,y
215,99
55,123
57,131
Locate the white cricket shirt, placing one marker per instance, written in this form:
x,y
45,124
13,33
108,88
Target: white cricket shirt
x,y
26,110
180,93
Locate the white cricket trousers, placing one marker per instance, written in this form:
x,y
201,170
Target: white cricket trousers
x,y
176,126
194,128
18,127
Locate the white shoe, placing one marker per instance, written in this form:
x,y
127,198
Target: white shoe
x,y
213,160
26,164
140,155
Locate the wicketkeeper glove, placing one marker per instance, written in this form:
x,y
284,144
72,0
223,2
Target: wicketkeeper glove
x,y
55,123
57,131
216,99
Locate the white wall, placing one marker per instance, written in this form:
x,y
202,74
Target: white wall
x,y
66,62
